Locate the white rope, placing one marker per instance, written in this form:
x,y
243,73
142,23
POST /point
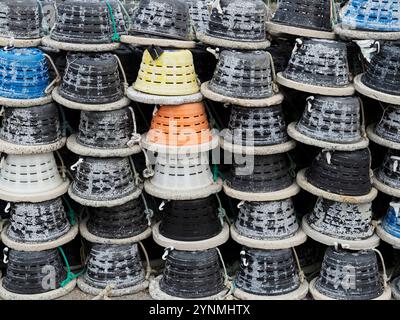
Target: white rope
x,y
385,277
57,78
135,173
275,86
105,293
149,269
148,172
126,84
223,266
301,272
135,139
149,213
63,168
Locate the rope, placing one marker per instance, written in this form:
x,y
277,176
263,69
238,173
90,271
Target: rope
x,y
301,272
115,37
363,131
148,212
217,174
149,269
58,76
275,87
126,15
121,67
224,267
105,293
63,168
70,275
221,211
292,169
65,125
148,172
71,213
135,139
385,277
135,173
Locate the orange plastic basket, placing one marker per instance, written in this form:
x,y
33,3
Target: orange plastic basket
x,y
183,125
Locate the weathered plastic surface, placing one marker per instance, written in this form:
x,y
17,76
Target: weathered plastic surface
x,y
342,172
271,173
383,73
102,179
91,78
243,74
389,172
199,14
88,22
191,220
238,20
25,271
269,272
389,125
106,129
192,274
257,126
273,220
376,15
162,18
319,62
20,19
114,264
342,220
309,14
24,73
350,275
31,126
332,119
121,222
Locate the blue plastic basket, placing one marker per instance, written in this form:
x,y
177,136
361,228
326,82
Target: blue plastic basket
x,y
372,15
391,223
24,73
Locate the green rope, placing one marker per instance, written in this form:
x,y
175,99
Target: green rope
x,y
70,275
217,173
71,213
65,125
115,37
221,210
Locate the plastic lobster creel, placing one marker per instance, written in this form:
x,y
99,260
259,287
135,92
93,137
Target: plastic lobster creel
x,y
119,266
389,228
350,275
190,275
387,176
320,67
27,276
31,178
236,24
386,132
303,18
87,25
269,275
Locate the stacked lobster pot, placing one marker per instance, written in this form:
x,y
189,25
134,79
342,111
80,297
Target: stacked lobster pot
x,y
32,182
340,176
178,146
106,181
257,144
375,26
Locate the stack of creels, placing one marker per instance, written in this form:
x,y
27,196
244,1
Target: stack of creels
x,y
31,182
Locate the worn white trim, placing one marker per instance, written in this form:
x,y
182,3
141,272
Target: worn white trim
x,y
51,295
269,244
11,148
386,189
349,34
77,148
86,288
250,103
304,184
349,90
36,247
105,203
374,94
25,103
232,44
395,291
278,29
298,136
146,98
368,243
257,150
35,197
263,196
157,294
122,103
201,245
20,43
47,41
379,140
160,42
386,295
186,149
299,294
189,194
85,233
